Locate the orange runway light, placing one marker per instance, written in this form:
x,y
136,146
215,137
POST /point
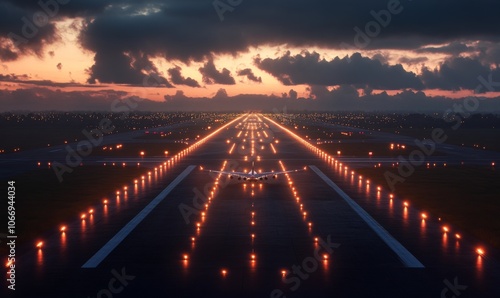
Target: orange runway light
x,y
105,201
63,229
480,251
446,230
185,257
83,216
91,211
458,236
39,245
325,257
424,216
406,204
223,272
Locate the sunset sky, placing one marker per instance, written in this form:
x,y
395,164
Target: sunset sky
x,y
186,54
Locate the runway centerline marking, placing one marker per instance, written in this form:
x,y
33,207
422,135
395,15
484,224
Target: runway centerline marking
x,y
404,255
99,256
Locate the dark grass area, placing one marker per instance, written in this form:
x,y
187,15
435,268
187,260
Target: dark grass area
x,y
188,133
467,197
320,133
33,137
363,148
135,149
485,138
42,203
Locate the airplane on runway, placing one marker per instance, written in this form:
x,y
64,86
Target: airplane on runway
x,y
253,175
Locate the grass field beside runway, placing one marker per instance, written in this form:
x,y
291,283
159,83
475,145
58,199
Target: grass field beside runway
x,y
465,196
43,204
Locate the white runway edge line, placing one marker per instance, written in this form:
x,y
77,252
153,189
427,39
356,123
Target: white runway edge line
x,y
404,255
129,227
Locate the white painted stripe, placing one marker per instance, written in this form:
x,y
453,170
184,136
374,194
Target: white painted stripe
x,y
129,227
404,255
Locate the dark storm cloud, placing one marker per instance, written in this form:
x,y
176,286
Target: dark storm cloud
x,y
125,68
69,8
343,98
458,73
191,30
413,61
177,78
489,53
13,77
213,76
454,48
249,74
43,99
182,24
26,79
20,33
120,32
309,68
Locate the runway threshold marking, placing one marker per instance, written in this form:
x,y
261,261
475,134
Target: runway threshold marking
x,y
99,256
404,255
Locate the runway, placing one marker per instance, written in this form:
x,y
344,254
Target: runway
x,y
322,232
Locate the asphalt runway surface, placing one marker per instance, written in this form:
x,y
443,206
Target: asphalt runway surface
x,y
322,232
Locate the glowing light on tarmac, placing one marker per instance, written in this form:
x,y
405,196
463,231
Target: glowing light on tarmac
x,y
232,148
274,149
